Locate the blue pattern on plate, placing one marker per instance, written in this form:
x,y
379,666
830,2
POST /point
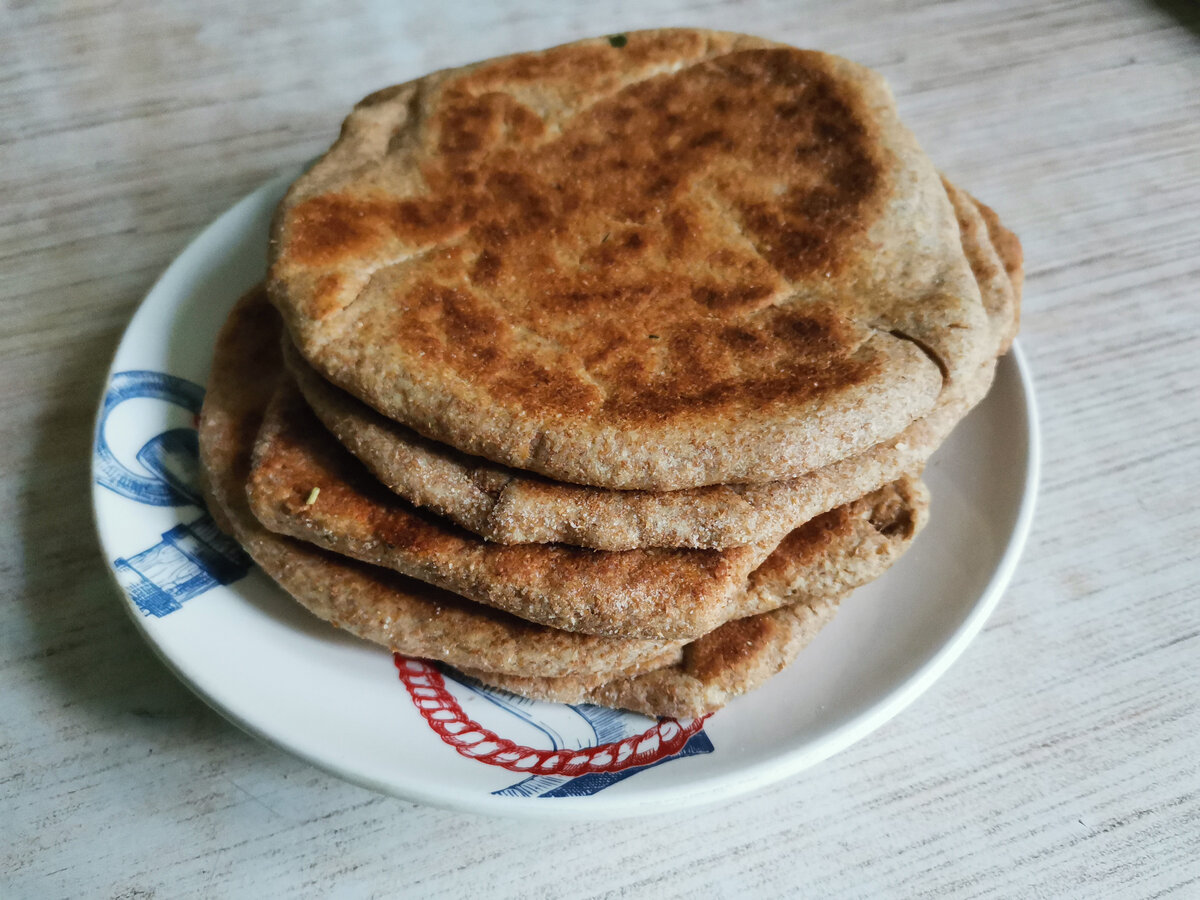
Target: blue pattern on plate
x,y
191,557
170,457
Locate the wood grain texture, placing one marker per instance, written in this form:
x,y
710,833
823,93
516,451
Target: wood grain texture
x,y
1058,757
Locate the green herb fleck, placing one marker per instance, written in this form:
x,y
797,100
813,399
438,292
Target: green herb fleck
x,y
654,337
617,40
607,235
312,496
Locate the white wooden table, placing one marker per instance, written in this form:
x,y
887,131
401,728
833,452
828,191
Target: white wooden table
x,y
1059,756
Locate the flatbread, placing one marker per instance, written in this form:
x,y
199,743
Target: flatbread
x,y
733,660
379,605
304,484
403,614
694,258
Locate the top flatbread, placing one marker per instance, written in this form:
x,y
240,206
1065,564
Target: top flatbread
x,y
693,258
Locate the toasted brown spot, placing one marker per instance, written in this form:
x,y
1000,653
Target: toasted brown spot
x,y
327,295
805,363
328,228
424,220
486,268
721,650
550,65
809,541
331,229
733,297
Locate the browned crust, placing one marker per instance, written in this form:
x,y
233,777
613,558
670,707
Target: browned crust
x,y
760,278
305,485
643,593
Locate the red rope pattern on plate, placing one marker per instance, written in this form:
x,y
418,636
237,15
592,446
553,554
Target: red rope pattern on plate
x,y
443,714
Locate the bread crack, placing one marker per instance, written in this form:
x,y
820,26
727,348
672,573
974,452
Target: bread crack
x,y
933,355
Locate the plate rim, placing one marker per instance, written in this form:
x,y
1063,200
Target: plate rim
x,y
740,781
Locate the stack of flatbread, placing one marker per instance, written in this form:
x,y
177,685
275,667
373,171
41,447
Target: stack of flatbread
x,y
604,373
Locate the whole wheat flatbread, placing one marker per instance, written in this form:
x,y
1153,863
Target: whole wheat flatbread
x,y
696,258
379,605
516,507
726,663
304,484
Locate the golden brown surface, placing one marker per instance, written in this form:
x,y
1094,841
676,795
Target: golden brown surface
x,y
694,259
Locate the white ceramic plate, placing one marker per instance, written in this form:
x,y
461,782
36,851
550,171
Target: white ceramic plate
x,y
252,653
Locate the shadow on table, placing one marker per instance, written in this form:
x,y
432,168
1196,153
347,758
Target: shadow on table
x,y
1186,12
